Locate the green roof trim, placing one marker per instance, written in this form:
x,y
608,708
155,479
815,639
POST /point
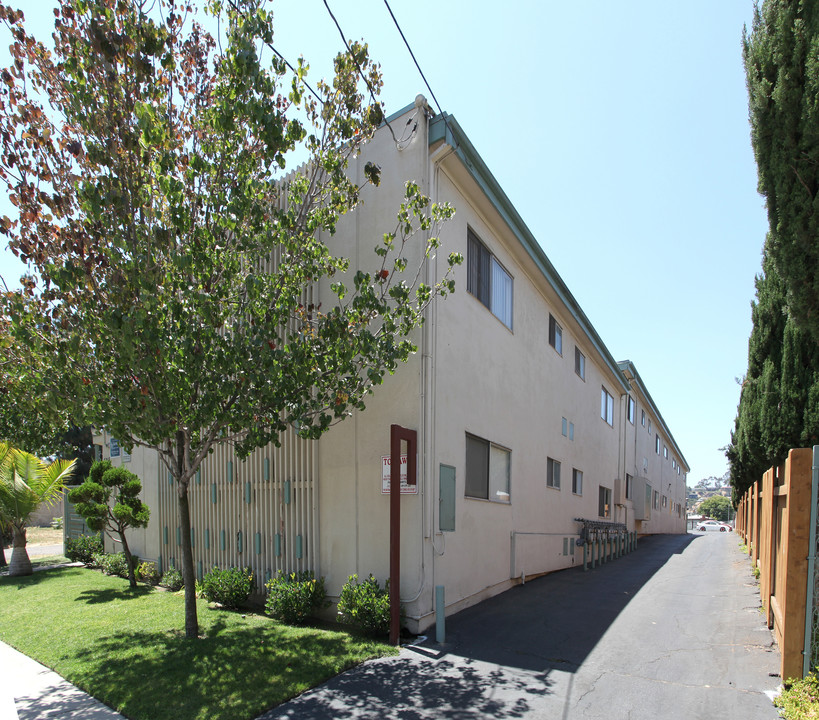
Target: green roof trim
x,y
626,366
445,127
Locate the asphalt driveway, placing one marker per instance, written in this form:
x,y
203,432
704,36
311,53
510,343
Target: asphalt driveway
x,y
672,630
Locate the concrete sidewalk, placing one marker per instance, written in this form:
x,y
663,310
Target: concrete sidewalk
x,y
30,691
670,631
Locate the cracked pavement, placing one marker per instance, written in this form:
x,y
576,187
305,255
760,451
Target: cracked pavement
x,y
669,631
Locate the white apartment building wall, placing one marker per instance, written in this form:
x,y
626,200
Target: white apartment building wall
x,y
487,381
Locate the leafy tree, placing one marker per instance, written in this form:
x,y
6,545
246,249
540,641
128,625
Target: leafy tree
x,y
717,507
176,264
781,57
92,500
25,483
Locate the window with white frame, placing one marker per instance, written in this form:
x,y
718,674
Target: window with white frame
x,y
631,410
665,451
488,281
552,473
487,470
657,444
555,335
607,406
577,481
643,418
579,363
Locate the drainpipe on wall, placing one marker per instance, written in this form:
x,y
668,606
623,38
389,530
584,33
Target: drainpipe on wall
x,y
429,340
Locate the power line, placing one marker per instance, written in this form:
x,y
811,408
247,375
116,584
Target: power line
x,y
360,71
421,72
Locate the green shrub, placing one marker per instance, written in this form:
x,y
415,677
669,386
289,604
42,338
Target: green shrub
x,y
83,548
230,588
365,604
114,564
295,597
148,572
172,579
56,523
800,699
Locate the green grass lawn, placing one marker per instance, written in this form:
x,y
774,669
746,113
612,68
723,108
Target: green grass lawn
x,y
128,648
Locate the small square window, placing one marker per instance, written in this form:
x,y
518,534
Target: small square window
x,y
580,363
552,473
555,335
577,481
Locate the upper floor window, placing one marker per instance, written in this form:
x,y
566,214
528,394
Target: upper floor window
x,y
580,363
643,418
577,481
607,407
552,473
632,408
555,335
487,280
657,444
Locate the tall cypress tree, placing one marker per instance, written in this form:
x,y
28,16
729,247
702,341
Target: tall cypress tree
x,y
779,401
782,70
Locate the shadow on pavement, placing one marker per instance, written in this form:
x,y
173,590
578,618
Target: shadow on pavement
x,y
500,655
555,621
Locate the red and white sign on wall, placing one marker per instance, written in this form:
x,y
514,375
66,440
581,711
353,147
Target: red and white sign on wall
x,y
385,477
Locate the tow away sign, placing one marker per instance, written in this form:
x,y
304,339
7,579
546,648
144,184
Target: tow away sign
x,y
385,477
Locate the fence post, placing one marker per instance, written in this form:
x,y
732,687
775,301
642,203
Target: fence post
x,y
807,652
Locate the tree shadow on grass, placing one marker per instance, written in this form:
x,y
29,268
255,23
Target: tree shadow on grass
x,y
106,595
238,670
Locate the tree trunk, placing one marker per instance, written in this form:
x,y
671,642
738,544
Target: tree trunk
x,y
20,562
3,561
128,559
188,575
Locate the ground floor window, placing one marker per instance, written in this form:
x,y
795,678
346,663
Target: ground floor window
x,y
604,502
487,470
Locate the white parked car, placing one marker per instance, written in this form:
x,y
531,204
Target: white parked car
x,y
712,526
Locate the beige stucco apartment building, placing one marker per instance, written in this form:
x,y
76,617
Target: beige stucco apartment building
x,y
525,422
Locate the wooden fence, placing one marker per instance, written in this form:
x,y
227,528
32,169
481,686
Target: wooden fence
x,y
774,518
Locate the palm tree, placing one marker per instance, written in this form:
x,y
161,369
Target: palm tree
x,y
26,482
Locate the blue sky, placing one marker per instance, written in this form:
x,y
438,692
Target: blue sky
x,y
620,133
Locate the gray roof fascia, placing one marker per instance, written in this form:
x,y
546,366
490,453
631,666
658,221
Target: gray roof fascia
x,y
445,127
628,369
